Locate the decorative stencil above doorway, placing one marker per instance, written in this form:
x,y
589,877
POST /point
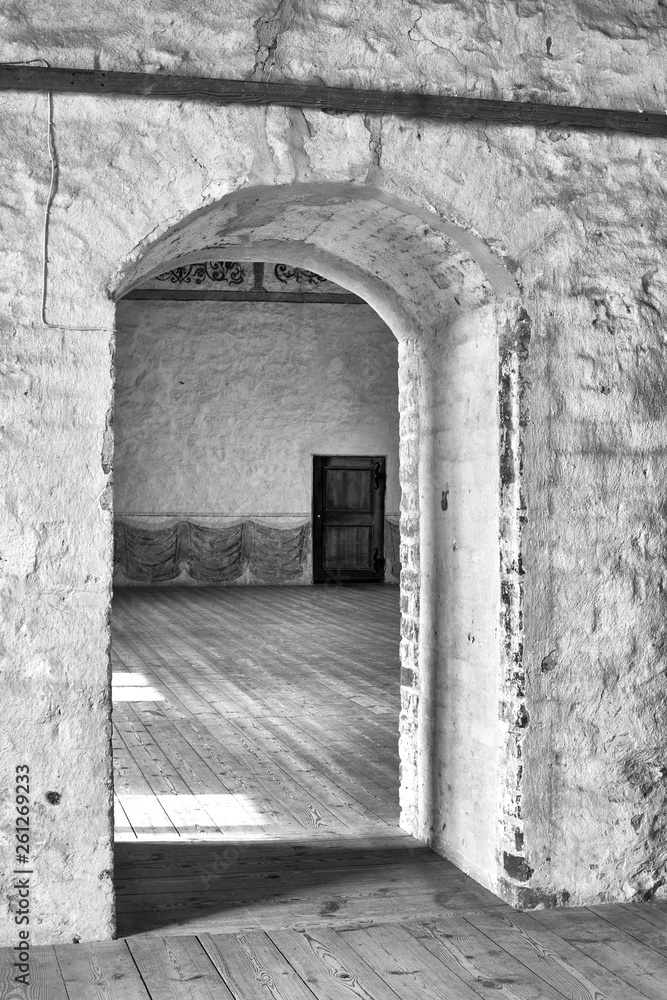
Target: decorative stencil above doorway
x,y
240,280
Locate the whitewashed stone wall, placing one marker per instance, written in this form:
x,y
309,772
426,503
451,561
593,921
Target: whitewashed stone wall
x,y
219,407
575,51
577,773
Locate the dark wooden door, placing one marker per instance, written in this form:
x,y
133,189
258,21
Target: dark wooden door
x,y
348,518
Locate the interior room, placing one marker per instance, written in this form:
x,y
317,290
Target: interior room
x,y
332,533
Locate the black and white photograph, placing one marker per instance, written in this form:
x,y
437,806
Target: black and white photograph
x,y
333,521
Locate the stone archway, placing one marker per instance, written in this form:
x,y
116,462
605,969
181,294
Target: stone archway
x,y
455,314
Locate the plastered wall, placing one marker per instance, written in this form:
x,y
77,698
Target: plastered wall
x,y
577,219
575,51
219,407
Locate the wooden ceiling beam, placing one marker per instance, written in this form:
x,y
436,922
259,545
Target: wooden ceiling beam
x,y
332,99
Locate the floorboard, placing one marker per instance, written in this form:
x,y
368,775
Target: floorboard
x,y
228,712
258,852
626,957
570,970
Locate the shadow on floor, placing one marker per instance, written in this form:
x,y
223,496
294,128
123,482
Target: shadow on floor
x,y
227,887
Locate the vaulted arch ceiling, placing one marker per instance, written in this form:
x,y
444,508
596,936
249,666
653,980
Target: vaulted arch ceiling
x,y
407,263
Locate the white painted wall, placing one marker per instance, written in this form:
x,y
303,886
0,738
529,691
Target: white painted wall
x,y
220,406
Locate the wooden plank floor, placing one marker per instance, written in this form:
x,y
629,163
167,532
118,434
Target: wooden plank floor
x,y
261,713
258,853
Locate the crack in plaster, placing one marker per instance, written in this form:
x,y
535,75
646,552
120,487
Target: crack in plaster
x,y
268,29
436,46
373,124
410,30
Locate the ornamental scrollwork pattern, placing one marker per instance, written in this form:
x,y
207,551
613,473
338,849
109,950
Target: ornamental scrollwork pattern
x,y
230,271
284,273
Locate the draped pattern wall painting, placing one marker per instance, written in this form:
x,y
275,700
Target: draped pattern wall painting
x,y
222,554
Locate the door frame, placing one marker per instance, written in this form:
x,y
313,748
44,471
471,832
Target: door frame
x,y
320,574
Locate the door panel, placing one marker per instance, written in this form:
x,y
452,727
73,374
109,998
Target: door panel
x,y
348,489
348,518
348,547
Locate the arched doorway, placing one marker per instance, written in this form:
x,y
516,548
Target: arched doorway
x,y
454,312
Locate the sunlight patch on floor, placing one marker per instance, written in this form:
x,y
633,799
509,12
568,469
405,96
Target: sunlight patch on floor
x,y
126,686
176,817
